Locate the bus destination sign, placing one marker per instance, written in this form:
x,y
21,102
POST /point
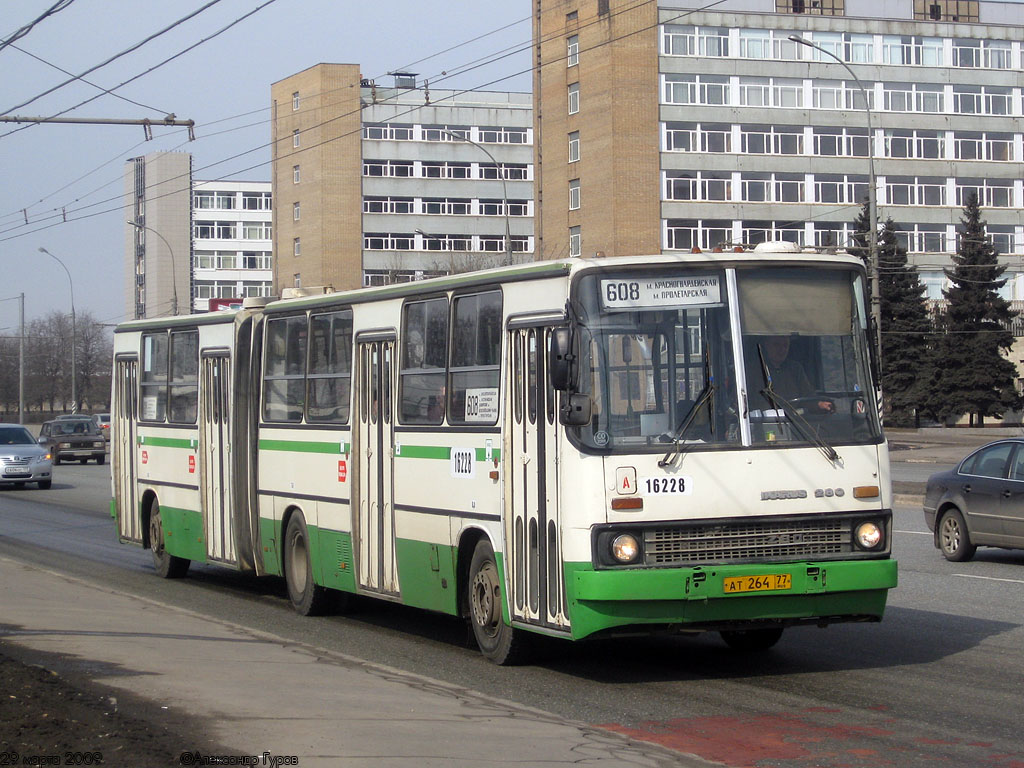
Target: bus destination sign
x,y
661,293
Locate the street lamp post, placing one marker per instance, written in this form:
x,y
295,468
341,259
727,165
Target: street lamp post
x,y
504,188
174,276
876,295
74,334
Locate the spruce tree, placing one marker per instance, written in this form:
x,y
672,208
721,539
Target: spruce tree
x,y
974,377
906,326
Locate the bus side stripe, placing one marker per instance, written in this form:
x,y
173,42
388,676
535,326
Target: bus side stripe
x,y
301,446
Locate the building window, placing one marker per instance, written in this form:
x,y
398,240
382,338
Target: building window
x,y
295,174
574,146
575,241
946,10
295,101
297,278
296,247
295,212
256,201
295,138
574,194
572,45
812,7
574,98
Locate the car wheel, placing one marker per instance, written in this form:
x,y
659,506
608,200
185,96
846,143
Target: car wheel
x,y
44,485
167,565
954,538
101,459
498,641
82,461
56,459
751,639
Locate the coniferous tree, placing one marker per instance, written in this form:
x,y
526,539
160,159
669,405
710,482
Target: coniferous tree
x,y
974,377
906,327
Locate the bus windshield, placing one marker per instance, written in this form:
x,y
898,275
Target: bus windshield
x,y
676,358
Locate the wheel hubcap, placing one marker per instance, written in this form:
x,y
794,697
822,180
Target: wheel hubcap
x,y
950,535
156,535
485,599
297,572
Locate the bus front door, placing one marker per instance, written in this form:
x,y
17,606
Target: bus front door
x,y
375,526
215,458
533,524
123,453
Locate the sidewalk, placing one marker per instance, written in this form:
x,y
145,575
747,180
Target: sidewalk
x,y
262,693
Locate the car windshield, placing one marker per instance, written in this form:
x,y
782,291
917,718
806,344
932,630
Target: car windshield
x,y
677,356
15,436
74,428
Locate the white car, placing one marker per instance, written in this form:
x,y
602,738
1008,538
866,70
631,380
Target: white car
x,y
22,459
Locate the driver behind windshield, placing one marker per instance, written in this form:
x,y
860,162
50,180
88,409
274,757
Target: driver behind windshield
x,y
788,377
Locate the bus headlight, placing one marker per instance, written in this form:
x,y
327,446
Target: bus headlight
x,y
625,548
868,535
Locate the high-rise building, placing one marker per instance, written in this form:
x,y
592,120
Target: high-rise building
x,y
378,184
189,241
681,124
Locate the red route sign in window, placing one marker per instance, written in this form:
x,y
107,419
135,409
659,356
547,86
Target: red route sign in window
x,y
191,465
145,457
342,471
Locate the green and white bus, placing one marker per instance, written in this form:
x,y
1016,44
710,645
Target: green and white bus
x,y
581,448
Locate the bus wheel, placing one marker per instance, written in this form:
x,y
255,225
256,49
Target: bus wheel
x,y
498,641
751,639
167,565
309,599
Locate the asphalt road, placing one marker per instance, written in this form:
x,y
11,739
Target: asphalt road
x,y
937,682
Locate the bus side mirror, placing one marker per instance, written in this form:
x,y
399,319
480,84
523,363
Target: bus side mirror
x,y
560,360
575,410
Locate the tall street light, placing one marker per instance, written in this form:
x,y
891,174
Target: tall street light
x,y
74,333
876,295
174,276
504,187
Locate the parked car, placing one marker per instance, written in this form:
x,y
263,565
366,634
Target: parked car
x,y
103,422
69,439
980,502
22,459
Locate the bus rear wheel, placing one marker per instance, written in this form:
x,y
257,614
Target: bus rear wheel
x,y
307,597
167,566
751,639
497,640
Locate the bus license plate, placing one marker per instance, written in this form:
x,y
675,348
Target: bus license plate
x,y
759,583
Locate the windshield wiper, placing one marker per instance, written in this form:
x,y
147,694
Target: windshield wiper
x,y
706,396
802,426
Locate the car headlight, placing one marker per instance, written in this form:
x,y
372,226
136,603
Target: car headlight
x,y
97,444
868,535
625,548
64,445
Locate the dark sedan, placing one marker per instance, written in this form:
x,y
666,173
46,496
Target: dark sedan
x,y
73,439
980,502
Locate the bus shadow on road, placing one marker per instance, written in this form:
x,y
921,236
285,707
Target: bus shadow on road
x,y
905,637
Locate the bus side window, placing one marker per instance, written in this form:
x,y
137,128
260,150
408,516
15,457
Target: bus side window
x,y
284,390
424,353
476,359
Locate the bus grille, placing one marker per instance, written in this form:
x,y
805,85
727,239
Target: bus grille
x,y
762,540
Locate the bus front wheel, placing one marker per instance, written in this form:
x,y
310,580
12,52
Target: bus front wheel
x,y
498,641
167,565
308,598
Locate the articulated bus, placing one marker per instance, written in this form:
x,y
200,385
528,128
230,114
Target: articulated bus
x,y
581,448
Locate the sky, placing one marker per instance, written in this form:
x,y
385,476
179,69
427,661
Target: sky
x,y
61,185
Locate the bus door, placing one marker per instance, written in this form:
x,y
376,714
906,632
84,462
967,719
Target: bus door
x,y
215,455
123,454
374,438
533,525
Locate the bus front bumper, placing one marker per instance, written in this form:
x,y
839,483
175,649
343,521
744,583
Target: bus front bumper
x,y
727,596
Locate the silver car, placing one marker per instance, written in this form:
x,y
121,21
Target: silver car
x,y
980,502
22,459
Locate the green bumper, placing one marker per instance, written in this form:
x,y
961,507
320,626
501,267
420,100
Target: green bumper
x,y
696,597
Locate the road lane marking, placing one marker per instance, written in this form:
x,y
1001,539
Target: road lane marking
x,y
988,578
